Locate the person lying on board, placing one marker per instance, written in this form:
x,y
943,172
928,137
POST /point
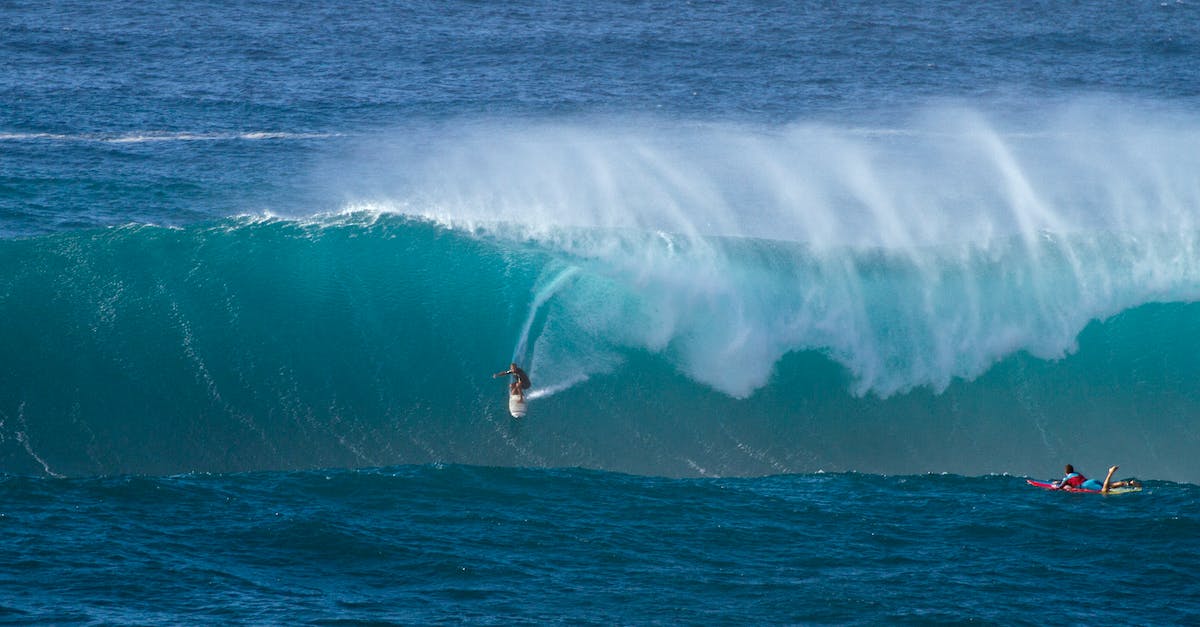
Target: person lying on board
x,y
1077,481
520,381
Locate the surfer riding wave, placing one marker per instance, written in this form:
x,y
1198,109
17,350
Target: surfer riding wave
x,y
520,381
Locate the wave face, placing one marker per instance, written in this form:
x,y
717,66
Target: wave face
x,y
688,299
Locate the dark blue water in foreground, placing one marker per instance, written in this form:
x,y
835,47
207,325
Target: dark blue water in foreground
x,y
803,289
482,545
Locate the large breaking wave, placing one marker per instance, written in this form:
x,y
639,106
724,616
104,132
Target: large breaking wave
x,y
952,295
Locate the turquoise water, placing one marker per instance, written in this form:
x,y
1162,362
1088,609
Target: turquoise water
x,y
804,291
364,340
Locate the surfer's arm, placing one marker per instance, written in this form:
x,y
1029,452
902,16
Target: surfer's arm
x,y
502,374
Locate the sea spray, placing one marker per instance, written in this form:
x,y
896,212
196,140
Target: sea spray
x,y
996,236
947,175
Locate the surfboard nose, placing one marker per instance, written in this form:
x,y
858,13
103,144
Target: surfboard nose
x,y
516,406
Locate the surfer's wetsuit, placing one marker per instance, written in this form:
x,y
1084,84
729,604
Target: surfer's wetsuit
x,y
522,378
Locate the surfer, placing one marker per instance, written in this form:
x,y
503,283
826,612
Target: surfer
x,y
520,381
1076,480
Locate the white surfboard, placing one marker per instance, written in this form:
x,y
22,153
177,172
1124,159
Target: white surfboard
x,y
516,405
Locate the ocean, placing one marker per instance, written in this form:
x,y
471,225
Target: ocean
x,y
805,291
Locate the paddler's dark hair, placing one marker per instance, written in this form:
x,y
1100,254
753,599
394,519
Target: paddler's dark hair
x,y
1070,469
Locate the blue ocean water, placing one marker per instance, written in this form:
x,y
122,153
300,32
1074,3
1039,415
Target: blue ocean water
x,y
469,544
804,290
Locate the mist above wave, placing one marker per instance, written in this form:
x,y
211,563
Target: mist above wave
x,y
947,174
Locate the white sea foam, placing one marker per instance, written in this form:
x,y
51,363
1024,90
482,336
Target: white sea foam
x,y
913,256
